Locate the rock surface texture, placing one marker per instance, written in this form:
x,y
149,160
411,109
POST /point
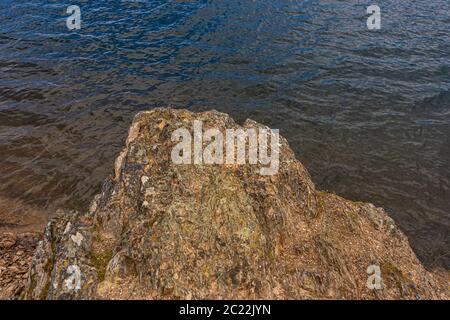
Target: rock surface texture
x,y
20,231
16,252
160,230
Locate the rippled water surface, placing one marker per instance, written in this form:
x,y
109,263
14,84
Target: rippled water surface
x,y
367,112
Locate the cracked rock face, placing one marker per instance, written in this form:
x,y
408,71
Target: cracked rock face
x,y
160,230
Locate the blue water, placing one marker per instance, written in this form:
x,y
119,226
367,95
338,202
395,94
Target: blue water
x,y
367,112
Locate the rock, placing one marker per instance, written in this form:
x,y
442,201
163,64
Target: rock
x,y
13,269
20,230
7,240
15,262
159,230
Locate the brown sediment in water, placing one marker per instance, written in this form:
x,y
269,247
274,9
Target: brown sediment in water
x,y
18,217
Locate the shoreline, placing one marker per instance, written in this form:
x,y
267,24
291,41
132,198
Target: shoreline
x,y
21,228
22,225
159,230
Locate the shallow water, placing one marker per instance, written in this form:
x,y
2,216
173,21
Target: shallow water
x,y
367,112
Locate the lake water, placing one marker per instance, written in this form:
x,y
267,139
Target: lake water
x,y
367,112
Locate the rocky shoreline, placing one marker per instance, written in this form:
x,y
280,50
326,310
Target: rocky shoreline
x,y
160,230
16,253
21,228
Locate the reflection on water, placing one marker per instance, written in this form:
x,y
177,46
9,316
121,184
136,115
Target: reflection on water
x,y
367,112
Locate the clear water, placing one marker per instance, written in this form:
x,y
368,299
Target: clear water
x,y
367,112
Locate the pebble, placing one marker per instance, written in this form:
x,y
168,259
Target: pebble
x,y
13,269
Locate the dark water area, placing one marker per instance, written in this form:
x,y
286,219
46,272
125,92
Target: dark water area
x,y
367,112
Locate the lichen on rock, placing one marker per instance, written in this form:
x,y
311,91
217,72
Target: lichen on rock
x,y
160,230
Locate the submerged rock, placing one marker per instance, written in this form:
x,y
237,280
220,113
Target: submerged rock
x,y
160,230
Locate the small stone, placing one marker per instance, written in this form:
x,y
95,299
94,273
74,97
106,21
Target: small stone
x,y
13,269
144,180
67,229
78,238
7,240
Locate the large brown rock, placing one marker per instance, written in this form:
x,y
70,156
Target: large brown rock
x,y
159,230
